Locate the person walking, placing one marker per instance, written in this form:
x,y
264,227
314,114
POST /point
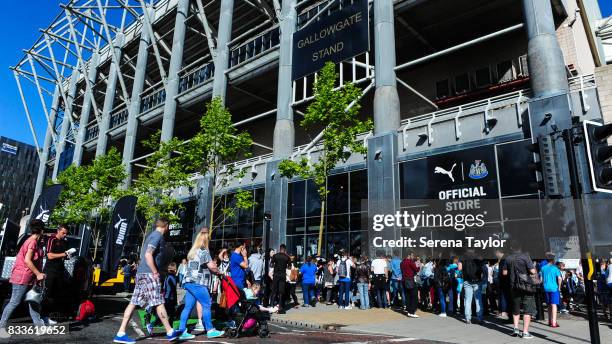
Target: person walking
x,y
409,270
198,278
472,278
26,272
380,270
552,280
280,262
517,265
55,272
344,280
147,290
293,274
362,275
308,271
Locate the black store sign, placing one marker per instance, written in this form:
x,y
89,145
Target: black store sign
x,y
337,37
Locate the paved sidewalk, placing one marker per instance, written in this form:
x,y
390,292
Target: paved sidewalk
x,y
431,327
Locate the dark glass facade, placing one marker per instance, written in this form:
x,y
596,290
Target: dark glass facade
x,y
343,224
18,169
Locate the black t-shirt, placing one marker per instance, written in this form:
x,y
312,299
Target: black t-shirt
x,y
280,263
55,245
518,263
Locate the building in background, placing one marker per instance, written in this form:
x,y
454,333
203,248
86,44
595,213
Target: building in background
x,y
18,170
460,86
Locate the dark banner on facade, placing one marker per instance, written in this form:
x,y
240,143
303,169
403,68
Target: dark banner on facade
x,y
337,37
118,230
43,208
8,245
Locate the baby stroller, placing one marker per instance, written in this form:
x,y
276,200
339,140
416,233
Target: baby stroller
x,y
253,322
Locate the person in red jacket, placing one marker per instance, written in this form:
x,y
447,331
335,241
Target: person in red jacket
x,y
409,270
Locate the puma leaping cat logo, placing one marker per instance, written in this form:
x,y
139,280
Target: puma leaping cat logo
x,y
449,173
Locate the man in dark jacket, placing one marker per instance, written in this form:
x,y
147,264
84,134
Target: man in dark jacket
x,y
472,276
409,270
280,262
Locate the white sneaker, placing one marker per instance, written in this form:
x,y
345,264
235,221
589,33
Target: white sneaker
x,y
348,307
49,322
411,315
442,315
4,334
199,327
274,309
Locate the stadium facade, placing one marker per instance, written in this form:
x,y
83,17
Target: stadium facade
x,y
455,86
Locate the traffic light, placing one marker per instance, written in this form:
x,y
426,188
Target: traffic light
x,y
599,154
545,166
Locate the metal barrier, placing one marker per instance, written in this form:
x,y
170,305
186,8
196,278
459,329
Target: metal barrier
x,y
255,47
197,77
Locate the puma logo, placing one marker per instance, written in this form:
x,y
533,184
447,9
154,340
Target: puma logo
x,y
449,173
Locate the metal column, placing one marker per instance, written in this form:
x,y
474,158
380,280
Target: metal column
x,y
383,174
133,111
92,74
109,99
222,58
44,156
176,62
275,201
66,120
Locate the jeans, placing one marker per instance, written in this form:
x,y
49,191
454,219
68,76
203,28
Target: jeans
x,y
200,293
472,291
126,283
308,290
451,300
398,286
344,295
19,291
442,299
364,296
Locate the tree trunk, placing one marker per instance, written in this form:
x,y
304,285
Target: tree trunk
x,y
321,224
212,212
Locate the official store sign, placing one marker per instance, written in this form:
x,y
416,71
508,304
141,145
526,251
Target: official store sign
x,y
336,37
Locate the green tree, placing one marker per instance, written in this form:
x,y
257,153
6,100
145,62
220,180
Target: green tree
x,y
211,153
337,110
89,193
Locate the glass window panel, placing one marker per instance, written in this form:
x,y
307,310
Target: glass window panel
x,y
295,245
358,243
312,225
218,213
312,244
313,202
337,223
245,230
295,226
260,194
359,189
335,242
359,221
230,232
230,202
258,229
295,199
245,215
337,199
217,233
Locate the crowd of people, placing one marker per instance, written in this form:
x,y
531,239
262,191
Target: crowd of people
x,y
468,287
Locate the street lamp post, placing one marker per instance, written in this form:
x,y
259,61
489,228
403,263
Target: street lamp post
x,y
265,279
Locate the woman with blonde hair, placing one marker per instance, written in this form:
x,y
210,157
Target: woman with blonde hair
x,y
197,281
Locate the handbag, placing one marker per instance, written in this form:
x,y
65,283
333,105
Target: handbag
x,y
35,295
528,283
223,300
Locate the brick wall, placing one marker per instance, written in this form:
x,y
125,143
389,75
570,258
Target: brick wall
x,y
565,37
603,78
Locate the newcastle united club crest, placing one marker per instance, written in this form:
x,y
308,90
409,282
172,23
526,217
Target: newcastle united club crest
x,y
478,170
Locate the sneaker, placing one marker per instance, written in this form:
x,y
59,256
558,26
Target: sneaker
x,y
348,307
149,328
516,332
527,335
49,322
175,334
199,327
468,321
214,334
125,339
412,315
186,336
4,334
442,315
554,325
274,309
231,324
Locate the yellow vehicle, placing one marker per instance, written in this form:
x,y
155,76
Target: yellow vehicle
x,y
115,282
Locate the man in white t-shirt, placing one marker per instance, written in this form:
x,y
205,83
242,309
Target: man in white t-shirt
x,y
380,270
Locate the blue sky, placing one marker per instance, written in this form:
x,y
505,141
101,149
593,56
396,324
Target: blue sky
x,y
20,21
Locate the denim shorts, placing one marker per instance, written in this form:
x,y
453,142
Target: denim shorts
x,y
552,297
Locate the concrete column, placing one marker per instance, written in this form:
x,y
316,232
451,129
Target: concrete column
x,y
275,202
133,111
109,99
224,36
284,132
386,99
383,174
66,120
44,156
176,62
92,74
545,59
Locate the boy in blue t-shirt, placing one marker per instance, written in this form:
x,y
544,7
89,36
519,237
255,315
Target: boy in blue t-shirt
x,y
551,278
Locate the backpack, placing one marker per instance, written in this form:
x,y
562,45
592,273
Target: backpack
x,y
472,271
342,270
86,310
